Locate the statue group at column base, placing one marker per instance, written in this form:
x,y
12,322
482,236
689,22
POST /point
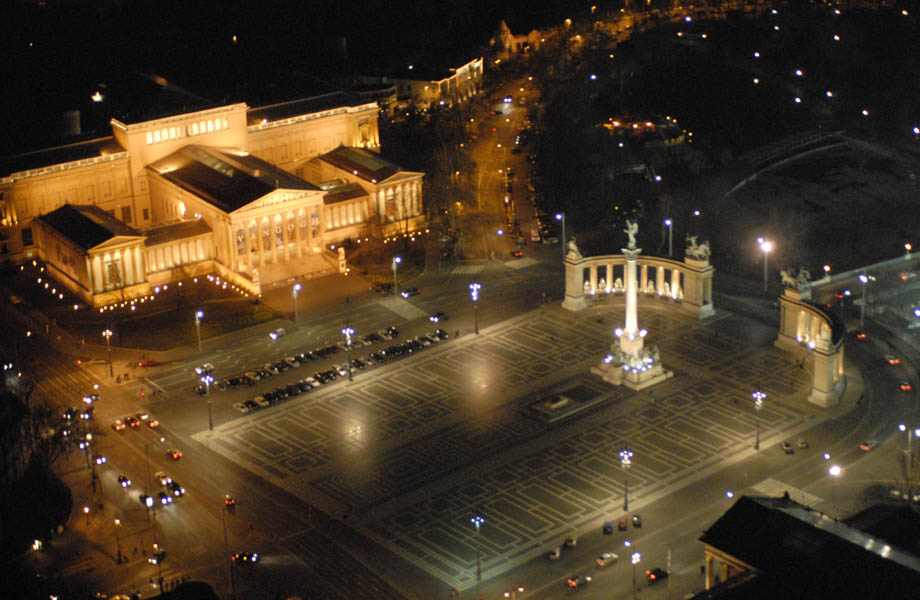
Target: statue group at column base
x,y
636,370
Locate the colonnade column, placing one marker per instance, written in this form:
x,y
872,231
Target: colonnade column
x,y
675,283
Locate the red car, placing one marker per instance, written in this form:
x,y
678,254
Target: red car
x,y
174,454
906,386
517,253
148,362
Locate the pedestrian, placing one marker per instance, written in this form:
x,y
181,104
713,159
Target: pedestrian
x,y
134,552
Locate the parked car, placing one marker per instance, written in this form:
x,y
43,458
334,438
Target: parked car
x,y
555,553
622,523
637,521
787,447
801,443
571,542
608,527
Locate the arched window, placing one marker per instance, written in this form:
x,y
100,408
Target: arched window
x,y
149,138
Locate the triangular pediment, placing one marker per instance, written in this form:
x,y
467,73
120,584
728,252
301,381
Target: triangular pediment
x,y
117,242
282,199
402,176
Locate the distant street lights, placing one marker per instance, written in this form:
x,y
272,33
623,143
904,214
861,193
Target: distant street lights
x,y
758,397
107,334
478,520
626,456
766,246
207,380
561,217
296,289
198,316
396,261
474,294
670,225
348,332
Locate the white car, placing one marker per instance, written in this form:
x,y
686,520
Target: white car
x,y
606,558
204,369
292,361
311,381
241,407
277,333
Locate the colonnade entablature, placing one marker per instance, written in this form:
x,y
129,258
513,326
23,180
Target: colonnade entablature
x,y
816,333
687,283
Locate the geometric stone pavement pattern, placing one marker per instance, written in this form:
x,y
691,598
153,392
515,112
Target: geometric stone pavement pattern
x,y
408,458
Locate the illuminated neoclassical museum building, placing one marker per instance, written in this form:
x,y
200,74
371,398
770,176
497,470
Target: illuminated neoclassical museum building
x,y
251,194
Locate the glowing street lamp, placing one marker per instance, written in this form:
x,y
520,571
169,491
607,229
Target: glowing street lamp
x,y
670,225
561,217
758,397
636,557
348,332
766,246
207,380
107,334
474,294
626,456
477,521
296,289
834,472
198,316
117,540
865,280
396,261
910,455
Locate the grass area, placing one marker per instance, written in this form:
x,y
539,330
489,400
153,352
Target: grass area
x,y
165,321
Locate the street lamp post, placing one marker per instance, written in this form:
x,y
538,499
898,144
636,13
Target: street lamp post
x,y
561,217
198,316
636,557
107,334
758,397
296,289
626,456
117,540
227,548
478,520
396,261
474,294
148,503
834,472
669,224
348,332
864,279
910,457
207,380
766,246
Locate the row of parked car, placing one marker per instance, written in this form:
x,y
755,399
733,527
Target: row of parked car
x,y
325,376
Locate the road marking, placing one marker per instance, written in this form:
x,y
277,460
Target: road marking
x,y
467,270
775,488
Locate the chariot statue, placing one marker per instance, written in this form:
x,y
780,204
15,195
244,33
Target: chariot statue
x,y
698,251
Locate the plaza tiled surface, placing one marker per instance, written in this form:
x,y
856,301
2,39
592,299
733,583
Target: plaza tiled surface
x,y
407,453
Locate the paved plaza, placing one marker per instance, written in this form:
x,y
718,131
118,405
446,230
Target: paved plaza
x,y
409,451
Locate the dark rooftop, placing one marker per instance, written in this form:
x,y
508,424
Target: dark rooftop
x,y
144,97
807,554
176,231
57,155
227,179
360,162
303,106
349,191
87,226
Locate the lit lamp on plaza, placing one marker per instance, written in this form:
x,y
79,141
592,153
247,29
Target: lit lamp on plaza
x,y
348,332
117,540
636,557
207,380
474,294
198,316
626,456
766,246
477,521
396,261
86,512
107,334
296,289
670,225
758,397
561,217
834,472
907,248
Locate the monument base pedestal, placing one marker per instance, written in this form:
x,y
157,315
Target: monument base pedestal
x,y
634,380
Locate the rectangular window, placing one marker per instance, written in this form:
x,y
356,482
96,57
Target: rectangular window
x,y
125,214
146,214
27,236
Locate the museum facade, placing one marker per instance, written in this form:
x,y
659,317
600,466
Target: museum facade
x,y
250,194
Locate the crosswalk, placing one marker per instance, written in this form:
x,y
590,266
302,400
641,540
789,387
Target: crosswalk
x,y
468,270
520,263
774,488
